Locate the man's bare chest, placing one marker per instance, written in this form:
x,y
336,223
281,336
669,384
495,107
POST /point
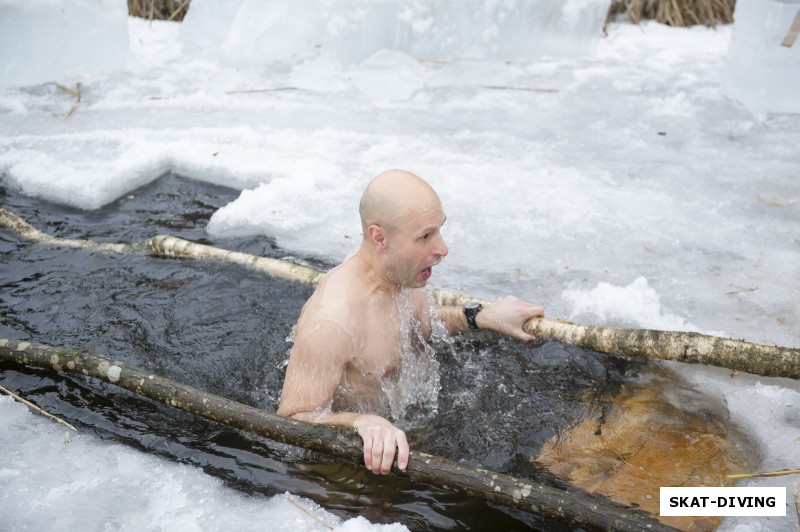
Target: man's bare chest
x,y
378,354
386,329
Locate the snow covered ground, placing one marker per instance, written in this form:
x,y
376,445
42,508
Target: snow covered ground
x,y
614,183
54,479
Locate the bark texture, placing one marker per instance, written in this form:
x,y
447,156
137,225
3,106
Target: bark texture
x,y
169,246
738,355
572,507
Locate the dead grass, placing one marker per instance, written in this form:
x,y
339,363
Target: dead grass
x,y
676,12
158,9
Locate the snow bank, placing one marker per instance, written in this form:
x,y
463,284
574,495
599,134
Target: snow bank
x,y
261,31
68,481
760,72
44,40
768,410
636,304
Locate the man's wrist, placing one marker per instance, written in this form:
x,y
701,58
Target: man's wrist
x,y
471,311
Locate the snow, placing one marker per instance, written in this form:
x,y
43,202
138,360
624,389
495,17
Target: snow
x,y
760,72
251,32
44,39
637,302
611,179
55,479
768,411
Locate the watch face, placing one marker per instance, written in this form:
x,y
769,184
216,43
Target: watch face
x,y
471,310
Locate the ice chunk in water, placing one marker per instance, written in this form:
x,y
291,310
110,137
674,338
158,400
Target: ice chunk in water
x,y
42,40
761,73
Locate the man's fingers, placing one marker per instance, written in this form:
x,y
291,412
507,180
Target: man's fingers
x,y
377,455
525,336
379,450
367,451
381,440
388,456
402,451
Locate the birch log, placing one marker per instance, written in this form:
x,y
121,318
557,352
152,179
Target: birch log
x,y
738,355
575,508
169,246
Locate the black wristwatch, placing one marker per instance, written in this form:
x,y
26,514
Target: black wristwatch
x,y
471,310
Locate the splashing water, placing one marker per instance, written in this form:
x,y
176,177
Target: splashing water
x,y
440,337
414,389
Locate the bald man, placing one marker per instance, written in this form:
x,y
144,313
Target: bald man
x,y
348,342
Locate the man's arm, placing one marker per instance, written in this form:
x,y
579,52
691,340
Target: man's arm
x,y
316,366
506,316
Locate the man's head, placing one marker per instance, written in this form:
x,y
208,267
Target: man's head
x,y
401,218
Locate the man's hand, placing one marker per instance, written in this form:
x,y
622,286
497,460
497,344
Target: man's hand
x,y
508,315
381,438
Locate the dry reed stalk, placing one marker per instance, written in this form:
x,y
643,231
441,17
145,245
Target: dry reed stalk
x,y
255,91
76,93
797,505
134,8
781,473
676,12
181,11
794,31
158,9
31,405
305,510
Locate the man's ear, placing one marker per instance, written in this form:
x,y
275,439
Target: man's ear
x,y
377,238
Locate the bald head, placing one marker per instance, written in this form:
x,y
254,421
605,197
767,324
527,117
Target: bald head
x,y
391,196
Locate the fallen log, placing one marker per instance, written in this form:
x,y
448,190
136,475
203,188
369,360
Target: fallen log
x,y
168,246
696,348
737,355
576,507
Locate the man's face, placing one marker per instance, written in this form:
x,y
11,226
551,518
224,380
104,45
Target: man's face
x,y
416,245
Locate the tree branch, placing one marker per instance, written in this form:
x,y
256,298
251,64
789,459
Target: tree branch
x,y
573,507
738,355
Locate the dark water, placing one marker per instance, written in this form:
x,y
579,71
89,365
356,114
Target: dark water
x,y
223,329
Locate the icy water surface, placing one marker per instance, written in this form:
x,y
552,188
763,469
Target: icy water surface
x,y
223,329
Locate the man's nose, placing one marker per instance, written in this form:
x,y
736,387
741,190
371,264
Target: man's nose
x,y
440,248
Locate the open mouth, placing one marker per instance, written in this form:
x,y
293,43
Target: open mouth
x,y
426,273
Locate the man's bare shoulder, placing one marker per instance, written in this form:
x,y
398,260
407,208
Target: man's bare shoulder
x,y
340,282
336,301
